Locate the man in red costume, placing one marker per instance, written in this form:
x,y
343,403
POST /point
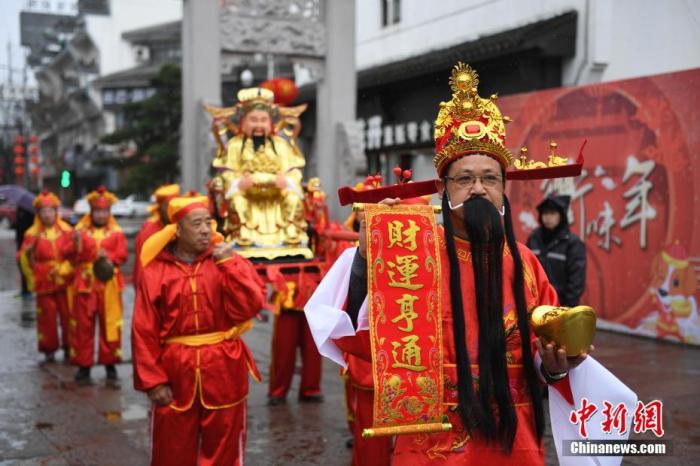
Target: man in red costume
x,y
97,241
51,272
492,374
153,224
194,301
290,331
359,396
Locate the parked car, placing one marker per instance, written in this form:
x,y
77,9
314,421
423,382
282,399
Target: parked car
x,y
131,206
81,206
67,214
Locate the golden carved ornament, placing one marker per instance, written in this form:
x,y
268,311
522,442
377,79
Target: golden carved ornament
x,y
553,159
468,123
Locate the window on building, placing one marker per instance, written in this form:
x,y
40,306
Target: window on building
x,y
391,12
137,95
119,120
108,96
121,96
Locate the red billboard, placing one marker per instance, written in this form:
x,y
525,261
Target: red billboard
x,y
636,204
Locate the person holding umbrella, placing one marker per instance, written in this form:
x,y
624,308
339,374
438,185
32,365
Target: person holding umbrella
x,y
21,199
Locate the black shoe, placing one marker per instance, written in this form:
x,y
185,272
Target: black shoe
x,y
276,400
111,372
82,377
349,443
49,357
311,398
66,355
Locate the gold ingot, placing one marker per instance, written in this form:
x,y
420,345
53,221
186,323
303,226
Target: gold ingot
x,y
570,327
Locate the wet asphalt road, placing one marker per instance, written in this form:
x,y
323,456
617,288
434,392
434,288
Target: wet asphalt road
x,y
46,420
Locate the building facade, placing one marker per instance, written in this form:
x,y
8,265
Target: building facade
x,y
68,53
405,50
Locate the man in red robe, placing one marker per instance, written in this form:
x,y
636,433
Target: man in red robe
x,y
290,331
194,301
51,272
97,241
154,223
493,364
359,396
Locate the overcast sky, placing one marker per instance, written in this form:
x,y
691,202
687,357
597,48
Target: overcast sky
x,y
9,32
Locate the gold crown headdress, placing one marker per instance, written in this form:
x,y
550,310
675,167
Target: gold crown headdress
x,y
469,124
256,97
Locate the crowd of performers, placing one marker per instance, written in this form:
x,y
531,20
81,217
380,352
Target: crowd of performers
x,y
72,293
195,297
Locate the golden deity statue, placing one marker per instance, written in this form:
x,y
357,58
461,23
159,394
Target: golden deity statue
x,y
259,176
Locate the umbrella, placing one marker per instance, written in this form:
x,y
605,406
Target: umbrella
x,y
18,196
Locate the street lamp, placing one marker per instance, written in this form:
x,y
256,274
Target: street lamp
x,y
247,78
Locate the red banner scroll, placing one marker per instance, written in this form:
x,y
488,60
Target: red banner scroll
x,y
405,320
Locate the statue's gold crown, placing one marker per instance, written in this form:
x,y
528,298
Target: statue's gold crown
x,y
253,96
469,124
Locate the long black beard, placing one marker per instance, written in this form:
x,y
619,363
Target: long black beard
x,y
258,141
482,223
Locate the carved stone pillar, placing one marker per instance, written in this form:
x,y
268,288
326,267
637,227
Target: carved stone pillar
x,y
201,83
336,99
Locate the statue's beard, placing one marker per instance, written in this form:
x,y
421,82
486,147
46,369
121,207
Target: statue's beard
x,y
258,141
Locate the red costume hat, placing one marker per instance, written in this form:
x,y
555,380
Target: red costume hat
x,y
46,199
101,198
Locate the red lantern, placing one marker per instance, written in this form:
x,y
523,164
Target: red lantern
x,y
19,149
19,160
284,89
